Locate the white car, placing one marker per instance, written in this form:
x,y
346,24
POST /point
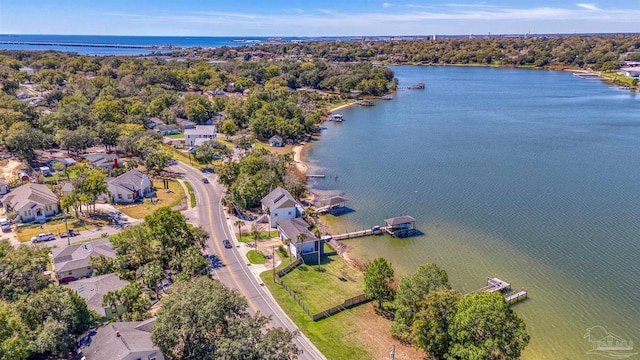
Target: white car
x,y
43,237
5,224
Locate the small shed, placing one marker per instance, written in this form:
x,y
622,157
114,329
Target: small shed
x,y
276,141
401,226
23,176
45,171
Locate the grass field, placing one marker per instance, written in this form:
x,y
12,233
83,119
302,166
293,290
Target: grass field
x,y
175,136
322,290
192,194
58,227
336,336
246,238
184,157
170,199
256,257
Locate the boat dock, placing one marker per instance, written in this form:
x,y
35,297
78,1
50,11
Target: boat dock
x,y
586,75
376,230
497,285
365,103
316,176
121,46
418,86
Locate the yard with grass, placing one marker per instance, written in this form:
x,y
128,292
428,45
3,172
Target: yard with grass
x,y
264,235
180,155
256,257
172,198
58,227
175,136
321,290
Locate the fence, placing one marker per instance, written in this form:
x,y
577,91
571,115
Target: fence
x,y
290,267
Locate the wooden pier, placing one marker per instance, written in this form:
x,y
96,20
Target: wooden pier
x,y
418,86
501,286
360,233
316,176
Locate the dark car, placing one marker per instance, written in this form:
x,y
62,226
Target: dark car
x,y
205,180
72,233
227,244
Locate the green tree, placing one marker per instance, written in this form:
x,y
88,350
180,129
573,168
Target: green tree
x,y
202,320
210,151
485,327
77,140
13,334
151,275
228,128
239,224
132,300
22,270
102,265
255,235
22,139
108,134
412,289
431,324
378,277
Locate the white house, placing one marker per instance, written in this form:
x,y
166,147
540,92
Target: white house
x,y
3,187
129,187
122,341
633,72
32,202
207,132
72,262
279,205
106,162
306,246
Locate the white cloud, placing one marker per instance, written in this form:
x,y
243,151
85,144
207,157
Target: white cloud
x,y
591,7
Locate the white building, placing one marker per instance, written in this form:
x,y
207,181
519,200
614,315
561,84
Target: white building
x,y
32,202
129,187
207,132
279,205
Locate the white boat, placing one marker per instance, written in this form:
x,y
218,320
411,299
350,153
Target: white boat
x,y
336,117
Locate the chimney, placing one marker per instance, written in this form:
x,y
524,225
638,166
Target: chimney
x,y
117,333
115,163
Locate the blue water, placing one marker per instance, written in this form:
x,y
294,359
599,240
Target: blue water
x,y
176,41
531,176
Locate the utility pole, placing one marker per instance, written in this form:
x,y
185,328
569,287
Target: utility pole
x,y
273,260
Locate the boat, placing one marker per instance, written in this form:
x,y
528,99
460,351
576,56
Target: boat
x,y
386,97
365,102
336,118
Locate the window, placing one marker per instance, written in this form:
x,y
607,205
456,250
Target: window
x,y
119,196
28,212
129,196
289,212
153,356
70,273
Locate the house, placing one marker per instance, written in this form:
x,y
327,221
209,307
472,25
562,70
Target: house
x,y
279,205
106,162
633,72
72,262
4,188
308,246
170,129
29,71
154,122
93,290
67,161
129,187
207,132
185,124
122,341
32,202
276,141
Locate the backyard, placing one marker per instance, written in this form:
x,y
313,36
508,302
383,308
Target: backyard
x,y
58,227
172,198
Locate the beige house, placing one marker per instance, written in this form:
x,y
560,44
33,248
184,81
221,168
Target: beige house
x,y
123,341
93,290
129,187
279,205
72,262
32,202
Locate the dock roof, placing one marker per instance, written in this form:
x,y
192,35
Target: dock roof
x,y
334,200
406,219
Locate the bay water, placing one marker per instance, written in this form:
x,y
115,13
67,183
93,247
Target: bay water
x,y
530,176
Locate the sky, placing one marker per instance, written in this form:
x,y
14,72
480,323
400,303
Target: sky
x,y
315,18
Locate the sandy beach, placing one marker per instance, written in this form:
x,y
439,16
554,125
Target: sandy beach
x,y
299,149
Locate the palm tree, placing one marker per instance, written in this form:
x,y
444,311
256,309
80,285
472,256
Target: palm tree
x,y
255,234
318,234
268,212
239,224
301,237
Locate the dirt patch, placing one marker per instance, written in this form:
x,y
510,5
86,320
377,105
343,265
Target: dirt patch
x,y
267,247
9,168
374,334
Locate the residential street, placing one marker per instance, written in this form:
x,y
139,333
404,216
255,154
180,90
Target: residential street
x,y
236,272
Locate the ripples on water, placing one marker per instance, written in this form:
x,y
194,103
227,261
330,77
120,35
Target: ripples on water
x,y
531,176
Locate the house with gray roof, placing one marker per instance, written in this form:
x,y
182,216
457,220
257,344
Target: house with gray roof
x,y
308,246
93,290
184,124
72,262
276,141
32,202
106,162
122,341
129,187
279,205
207,132
167,129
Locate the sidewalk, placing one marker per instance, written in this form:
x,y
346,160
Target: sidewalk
x,y
244,248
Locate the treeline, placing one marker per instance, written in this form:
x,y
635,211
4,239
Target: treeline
x,y
431,316
597,52
80,101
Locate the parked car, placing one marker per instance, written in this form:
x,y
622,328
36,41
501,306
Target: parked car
x,y
227,244
205,180
375,228
43,237
72,233
5,224
166,284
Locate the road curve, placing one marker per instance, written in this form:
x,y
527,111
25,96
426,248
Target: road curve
x,y
236,273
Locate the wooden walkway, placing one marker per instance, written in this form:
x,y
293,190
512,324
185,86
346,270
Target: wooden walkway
x,y
501,286
357,234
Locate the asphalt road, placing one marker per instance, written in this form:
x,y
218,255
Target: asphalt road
x,y
236,272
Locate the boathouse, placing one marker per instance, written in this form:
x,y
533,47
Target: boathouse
x,y
335,205
401,226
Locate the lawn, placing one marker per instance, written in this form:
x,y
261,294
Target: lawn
x,y
619,78
256,257
58,227
336,336
184,157
192,194
170,199
246,238
322,290
175,136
